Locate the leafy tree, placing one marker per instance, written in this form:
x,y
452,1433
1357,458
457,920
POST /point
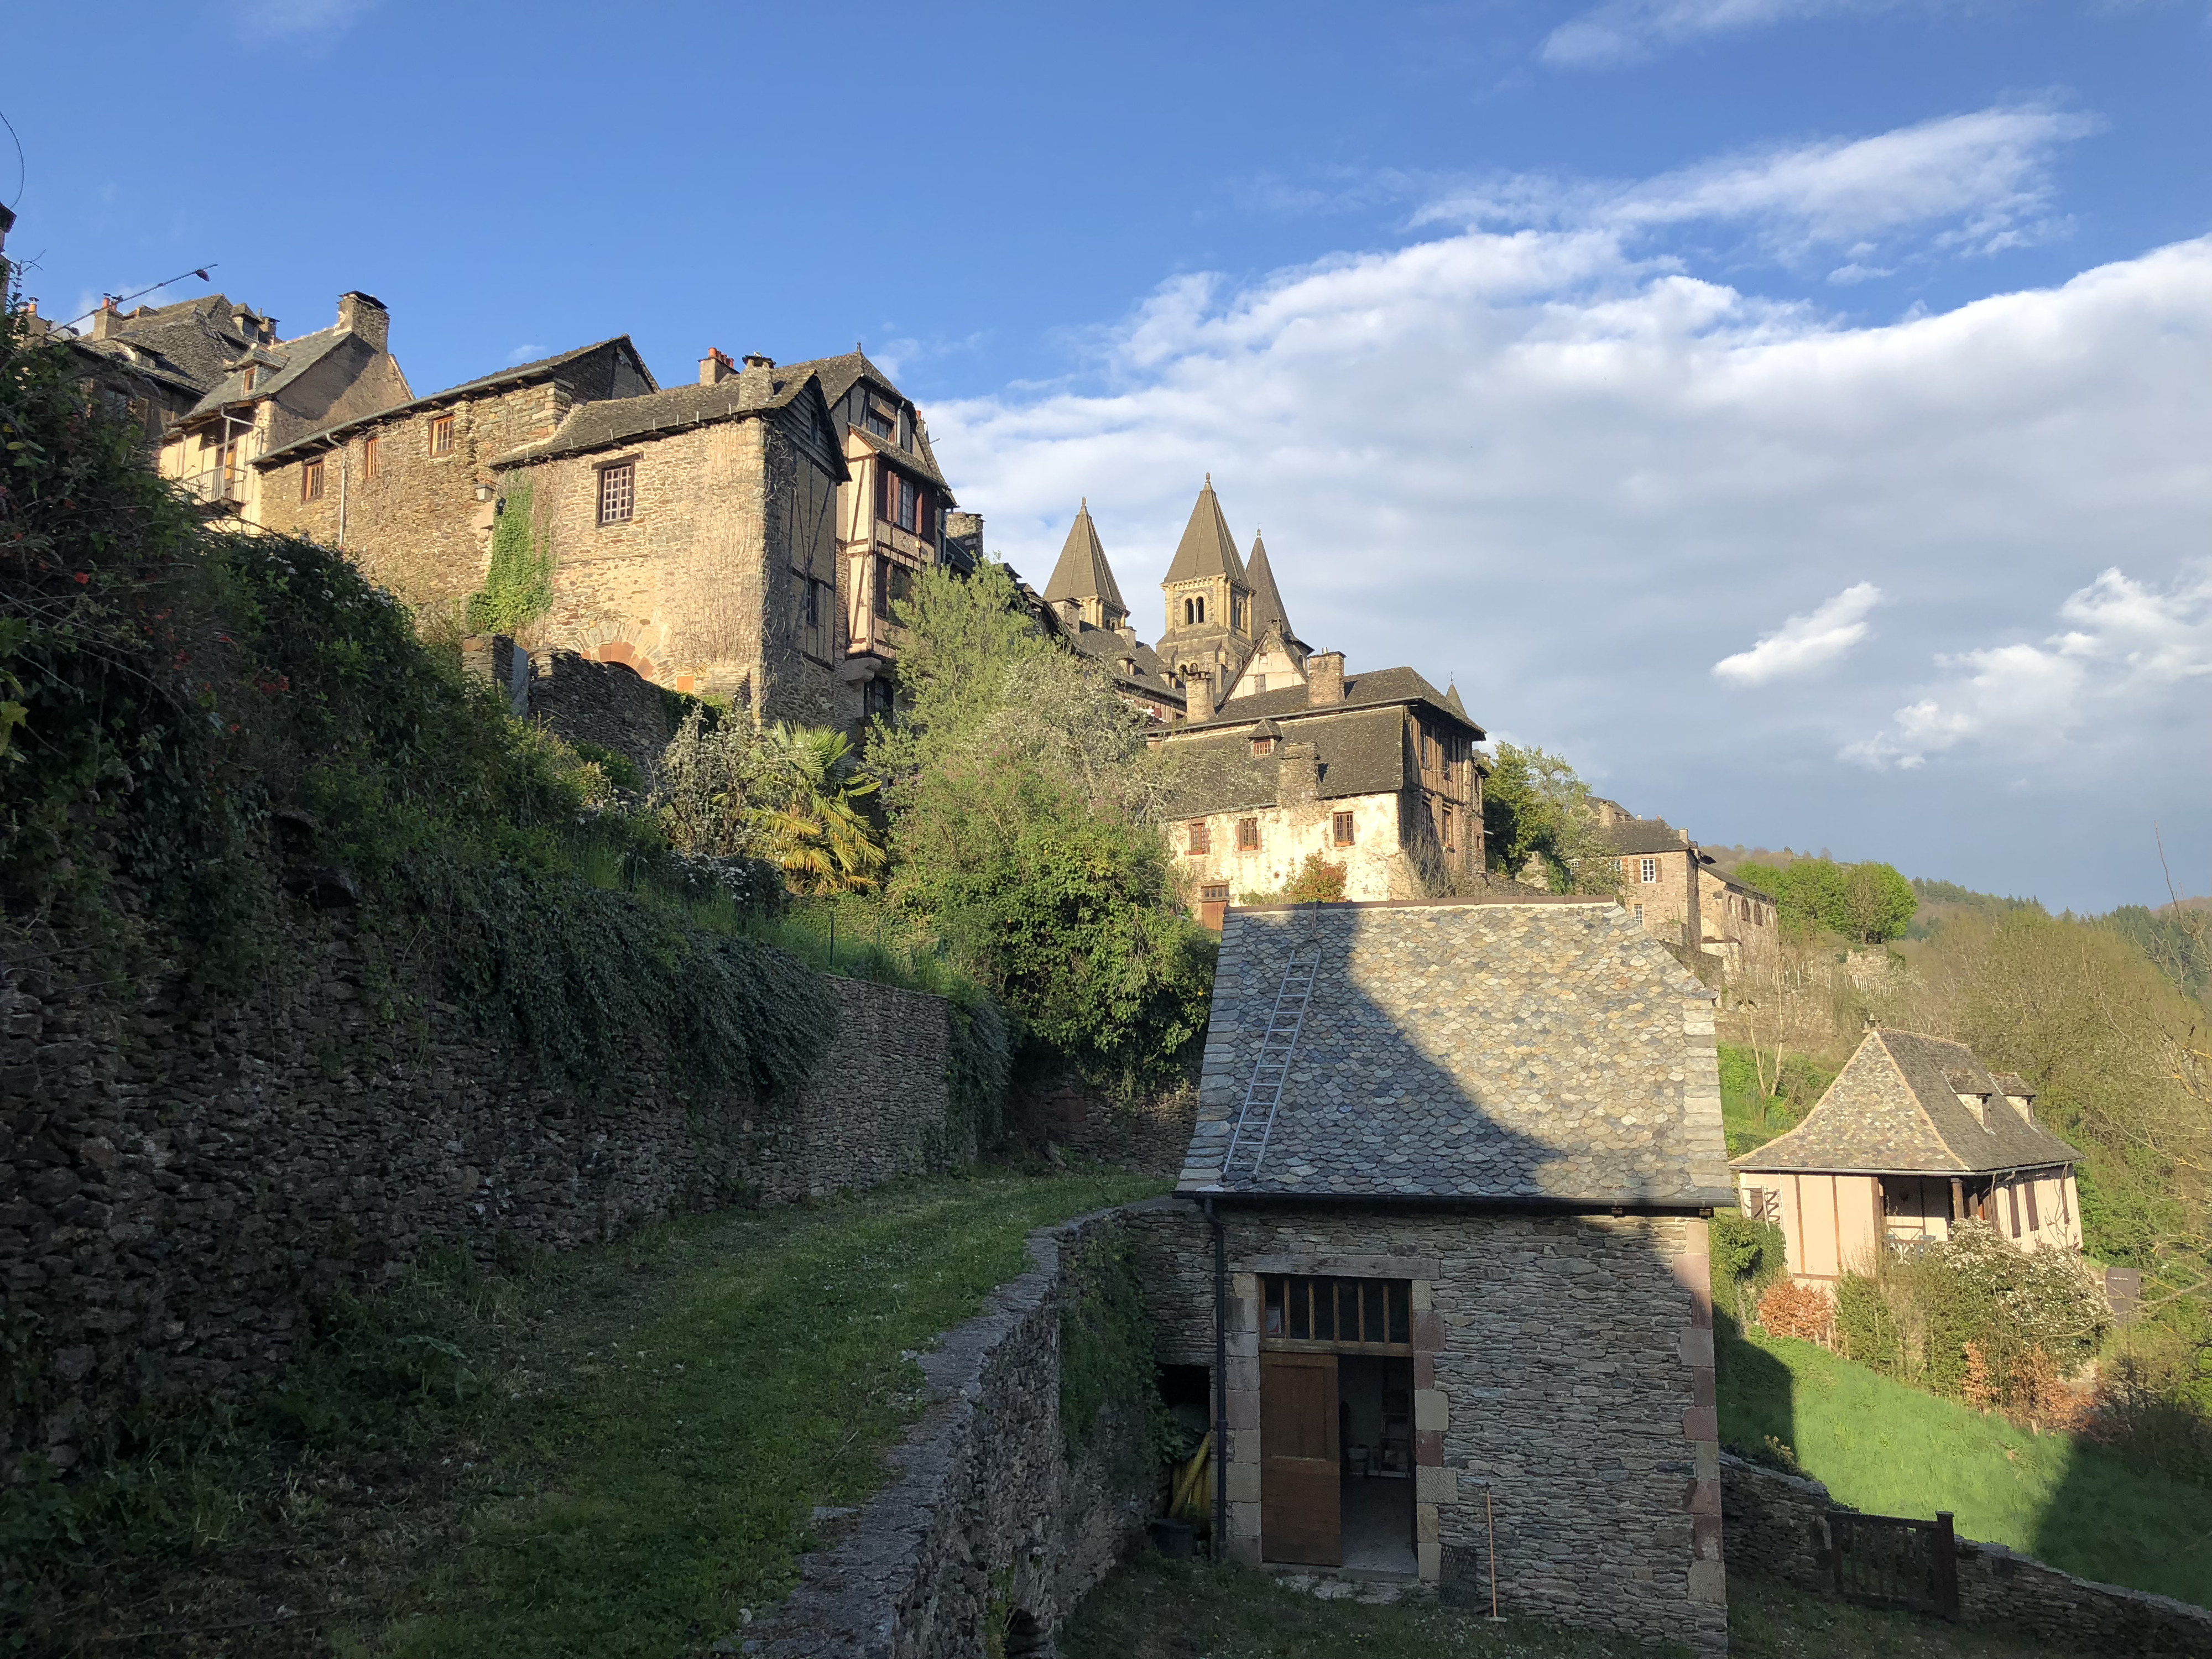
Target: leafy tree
x,y
793,795
1021,795
1534,805
1865,903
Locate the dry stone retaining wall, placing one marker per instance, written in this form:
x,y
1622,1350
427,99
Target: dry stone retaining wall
x,y
175,1190
1777,1526
989,1535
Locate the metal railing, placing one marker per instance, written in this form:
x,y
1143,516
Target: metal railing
x,y
1891,1561
216,485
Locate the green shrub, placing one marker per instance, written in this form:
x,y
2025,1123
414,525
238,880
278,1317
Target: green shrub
x,y
1747,1256
1866,1328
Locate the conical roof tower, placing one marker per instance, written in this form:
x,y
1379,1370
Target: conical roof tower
x,y
1084,575
1267,597
1207,550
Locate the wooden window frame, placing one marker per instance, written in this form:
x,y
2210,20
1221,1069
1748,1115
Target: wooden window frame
x,y
1450,833
622,477
311,480
1213,892
1649,872
1202,837
1342,827
2012,1202
1381,1309
369,457
1263,745
1247,835
251,373
441,434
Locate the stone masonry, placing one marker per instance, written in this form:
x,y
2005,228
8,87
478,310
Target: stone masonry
x,y
1777,1526
175,1191
1563,1366
988,1534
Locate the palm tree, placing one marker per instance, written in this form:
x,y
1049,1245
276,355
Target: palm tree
x,y
806,792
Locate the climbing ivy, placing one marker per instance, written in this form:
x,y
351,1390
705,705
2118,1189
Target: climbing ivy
x,y
519,586
1106,1350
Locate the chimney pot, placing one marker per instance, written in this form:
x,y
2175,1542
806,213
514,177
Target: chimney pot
x,y
1324,678
715,367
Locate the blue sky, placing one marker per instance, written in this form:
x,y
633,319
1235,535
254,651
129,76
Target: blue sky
x,y
1797,413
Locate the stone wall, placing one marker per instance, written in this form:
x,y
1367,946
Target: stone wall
x,y
1562,1368
989,1535
175,1190
1777,1526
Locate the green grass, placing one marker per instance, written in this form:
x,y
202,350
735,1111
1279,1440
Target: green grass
x,y
611,1453
1889,1449
1156,1609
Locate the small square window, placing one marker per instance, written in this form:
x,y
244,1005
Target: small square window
x,y
1201,838
368,457
1340,828
1263,745
617,493
1247,835
1213,892
1639,912
310,480
1651,869
441,434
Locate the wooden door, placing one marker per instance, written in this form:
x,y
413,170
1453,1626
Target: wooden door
x,y
1301,1517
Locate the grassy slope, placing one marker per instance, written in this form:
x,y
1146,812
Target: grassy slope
x,y
1889,1449
609,1453
669,1474
1152,1609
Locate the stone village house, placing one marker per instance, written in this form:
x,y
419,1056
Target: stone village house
x,y
1443,1247
1376,771
1654,861
1915,1134
744,536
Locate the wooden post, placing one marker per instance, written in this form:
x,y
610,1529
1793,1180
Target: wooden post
x,y
1947,1567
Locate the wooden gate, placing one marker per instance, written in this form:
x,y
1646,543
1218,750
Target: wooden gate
x,y
1889,1561
1301,1517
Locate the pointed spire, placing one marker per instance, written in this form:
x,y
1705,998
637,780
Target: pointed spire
x,y
1267,597
1207,549
1083,572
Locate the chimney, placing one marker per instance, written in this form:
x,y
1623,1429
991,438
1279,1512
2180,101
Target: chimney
x,y
364,314
1297,776
754,359
715,366
1128,633
1198,697
1324,678
106,321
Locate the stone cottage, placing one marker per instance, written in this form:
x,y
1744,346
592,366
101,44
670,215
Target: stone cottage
x,y
1673,889
1915,1134
1443,1245
1378,772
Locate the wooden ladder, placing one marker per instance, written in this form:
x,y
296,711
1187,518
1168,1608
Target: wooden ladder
x,y
1272,1069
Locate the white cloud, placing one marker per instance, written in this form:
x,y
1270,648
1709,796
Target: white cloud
x,y
291,19
524,353
1624,31
1984,178
2129,651
1575,476
1822,635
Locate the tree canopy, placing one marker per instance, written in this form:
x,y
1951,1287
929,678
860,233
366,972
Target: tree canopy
x,y
1866,902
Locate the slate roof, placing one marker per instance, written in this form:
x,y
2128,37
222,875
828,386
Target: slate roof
x,y
1518,1048
1894,1109
919,462
1083,572
838,374
499,380
1376,685
283,363
190,341
1206,548
1267,597
1358,752
617,420
1149,675
1639,835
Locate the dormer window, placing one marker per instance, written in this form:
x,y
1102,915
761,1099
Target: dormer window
x,y
1263,745
250,372
880,419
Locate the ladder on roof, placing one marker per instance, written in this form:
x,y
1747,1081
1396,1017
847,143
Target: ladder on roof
x,y
1272,1069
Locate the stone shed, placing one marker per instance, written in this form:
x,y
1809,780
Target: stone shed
x,y
1442,1235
